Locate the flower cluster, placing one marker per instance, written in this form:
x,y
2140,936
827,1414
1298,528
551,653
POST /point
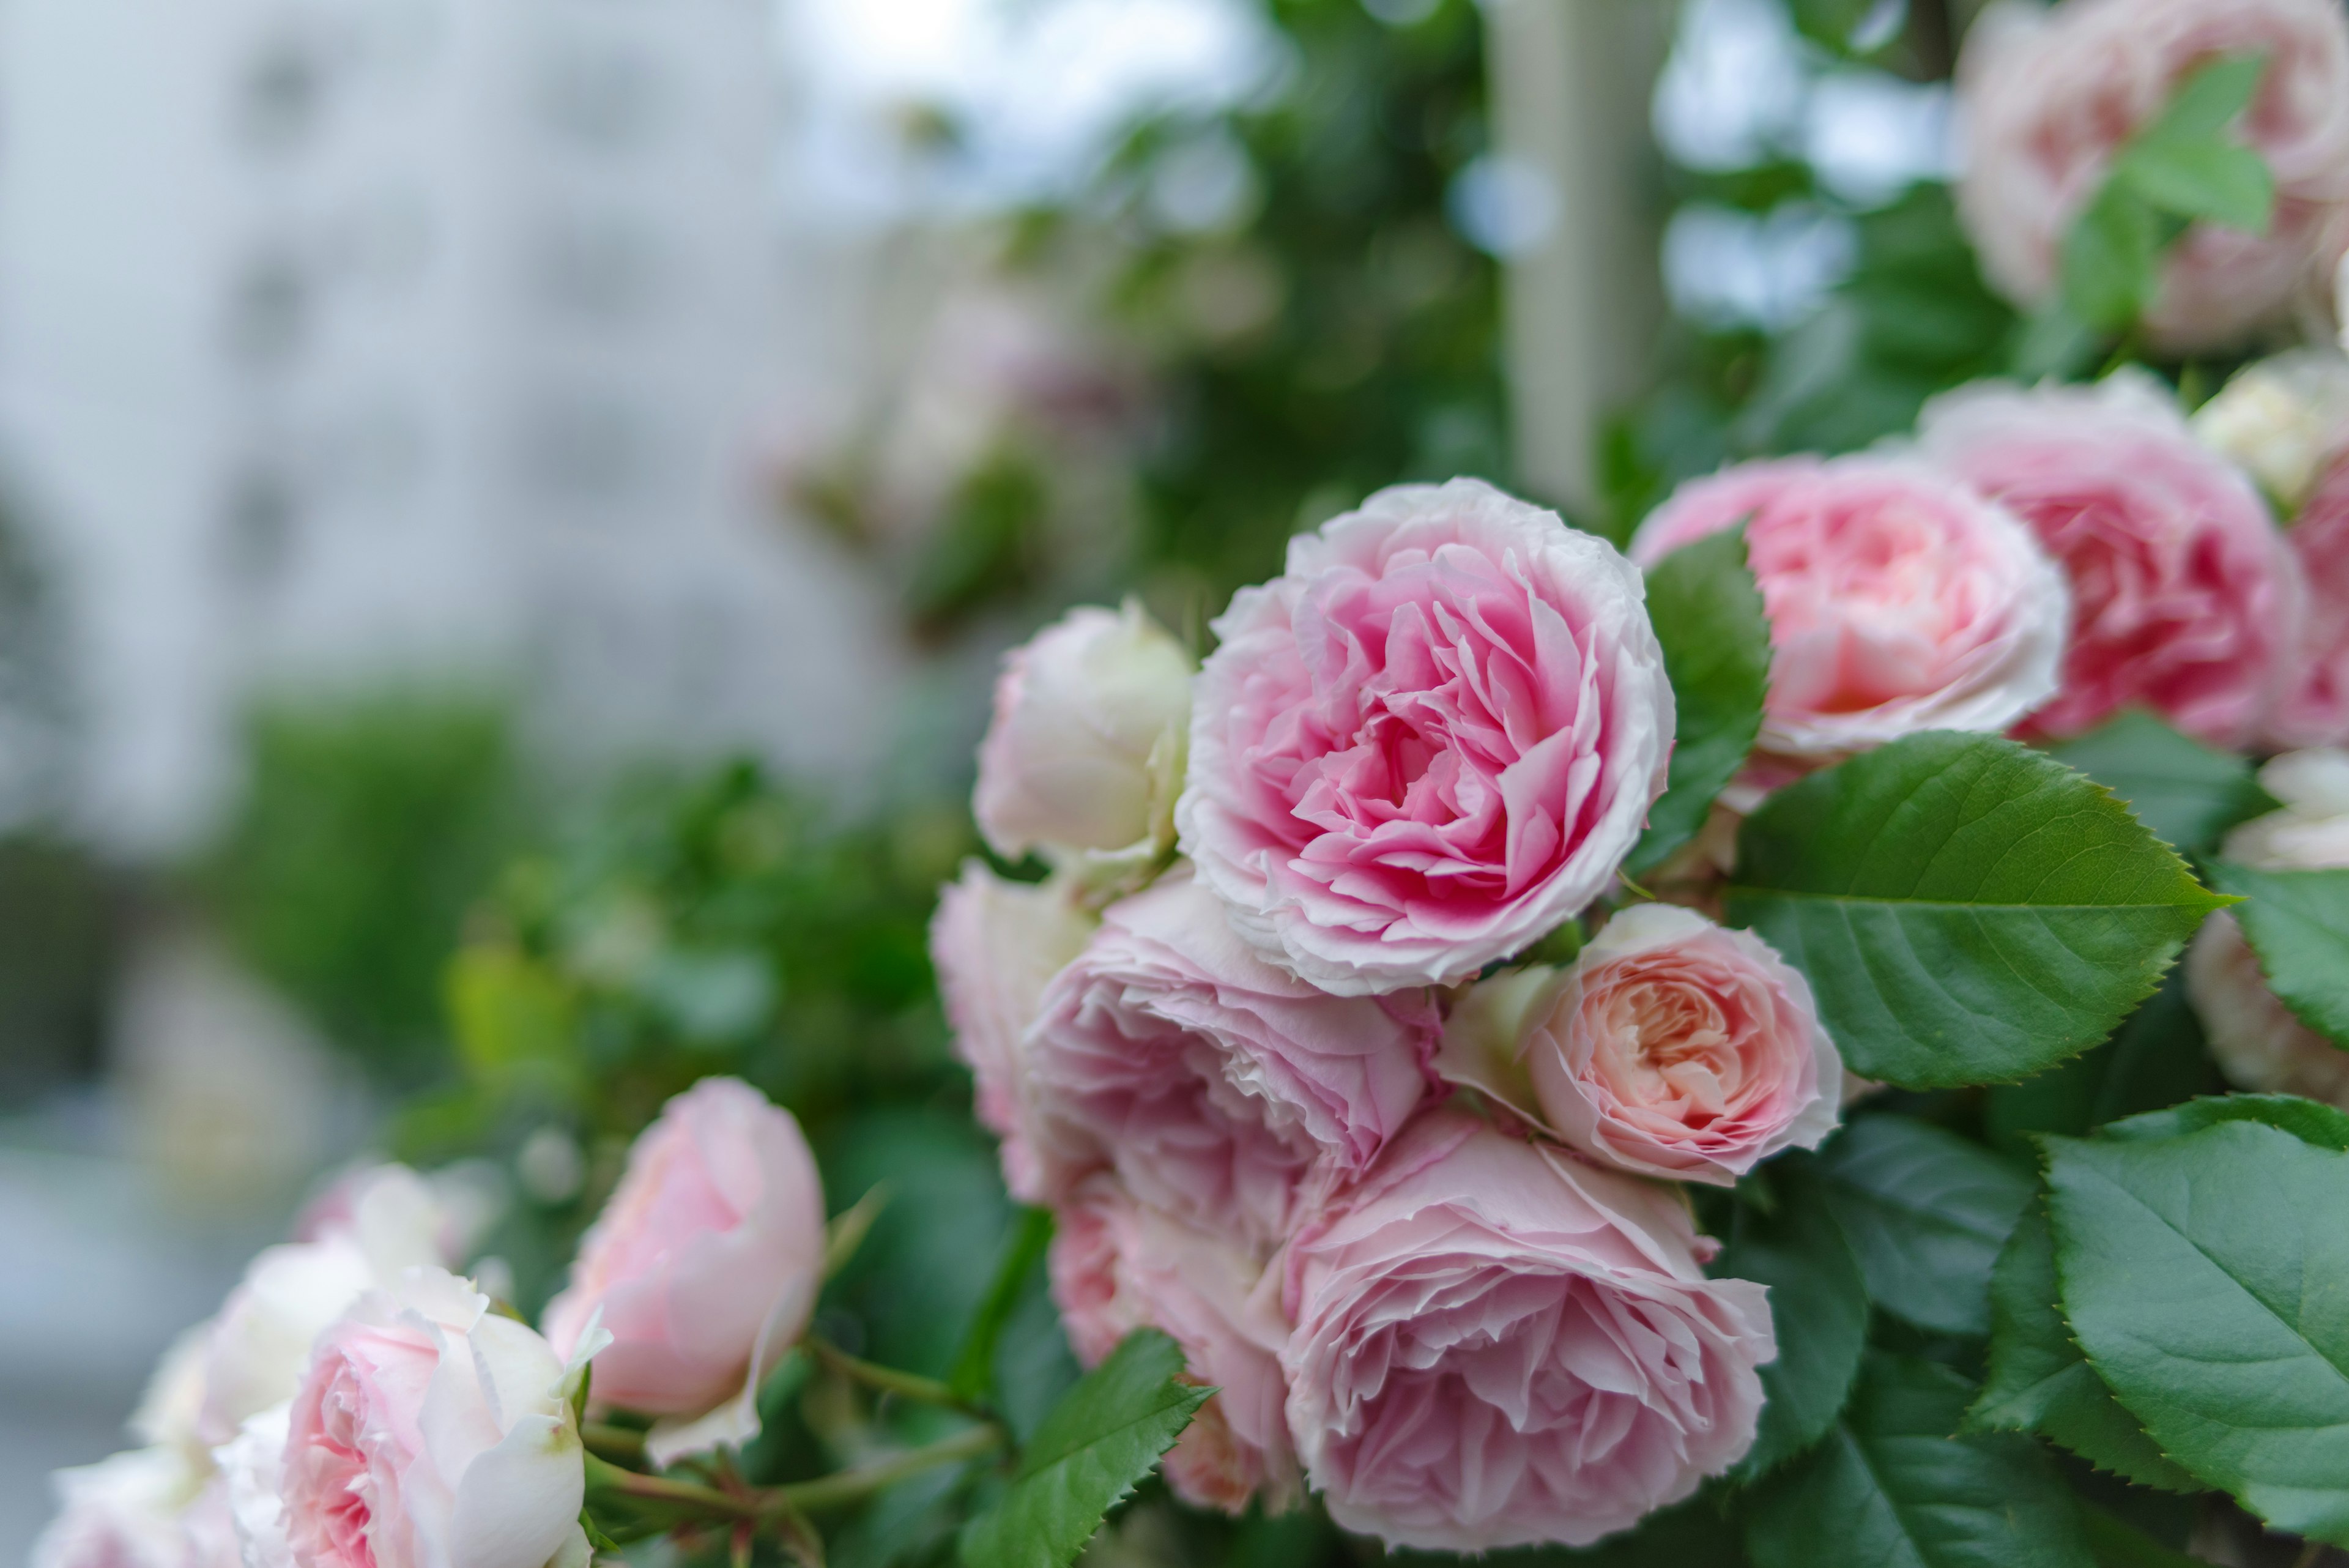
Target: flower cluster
x,y
354,1404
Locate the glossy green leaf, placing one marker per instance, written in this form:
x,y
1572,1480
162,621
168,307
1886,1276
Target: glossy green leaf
x,y
2298,922
2158,1058
1708,616
1104,1436
2227,185
2206,1279
2110,258
1818,1304
2208,101
2312,1123
2187,792
1968,910
1891,1487
1926,1212
2039,1381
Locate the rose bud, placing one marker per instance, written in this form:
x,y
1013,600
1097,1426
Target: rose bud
x,y
1117,1266
703,1267
255,1349
2050,95
2258,1042
1898,599
2183,595
1497,1344
1215,1084
1084,757
1671,1047
148,1507
428,1432
995,946
1429,743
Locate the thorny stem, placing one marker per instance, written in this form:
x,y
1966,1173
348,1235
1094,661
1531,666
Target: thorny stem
x,y
889,1380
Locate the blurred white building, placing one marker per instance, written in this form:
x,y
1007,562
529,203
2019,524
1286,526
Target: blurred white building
x,y
342,339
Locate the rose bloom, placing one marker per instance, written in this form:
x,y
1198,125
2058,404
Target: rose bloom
x,y
2257,1041
255,1350
1430,741
2314,709
2283,421
1898,599
428,1432
1678,1048
2049,95
703,1267
148,1507
1498,1344
1085,752
1116,1267
995,946
2183,595
1216,1086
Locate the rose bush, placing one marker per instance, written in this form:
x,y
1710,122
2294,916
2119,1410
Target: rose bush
x,y
1899,600
1427,742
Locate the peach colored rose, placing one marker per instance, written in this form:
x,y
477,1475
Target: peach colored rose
x,y
1498,1344
1216,1086
703,1268
1085,754
1898,599
2048,95
2183,595
995,945
428,1432
1117,1266
1428,742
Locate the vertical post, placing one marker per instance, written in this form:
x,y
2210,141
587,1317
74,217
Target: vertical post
x,y
1571,83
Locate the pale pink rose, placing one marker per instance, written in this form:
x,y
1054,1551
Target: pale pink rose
x,y
2256,1040
1085,752
1429,743
2047,95
428,1432
2314,710
1116,1267
1898,599
1498,1344
148,1507
704,1266
995,945
1678,1048
2183,595
1218,1086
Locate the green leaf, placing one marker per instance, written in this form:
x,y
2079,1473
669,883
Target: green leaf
x,y
974,1367
2228,185
1968,910
2320,1126
2207,102
2039,1381
1926,1212
2116,1544
2298,922
2158,1058
2207,1278
1708,616
1890,1488
1818,1304
1105,1434
2109,258
2188,793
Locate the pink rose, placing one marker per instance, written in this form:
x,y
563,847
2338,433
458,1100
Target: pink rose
x,y
2048,96
1898,599
1215,1084
428,1432
1117,1266
2314,710
1672,1047
148,1507
1497,1345
2257,1041
2183,595
995,945
1085,754
1429,743
703,1267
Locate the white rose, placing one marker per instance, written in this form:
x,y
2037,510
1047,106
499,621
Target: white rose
x,y
2282,419
148,1507
1084,758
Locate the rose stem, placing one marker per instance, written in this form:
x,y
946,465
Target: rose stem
x,y
889,1380
613,1442
854,1486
